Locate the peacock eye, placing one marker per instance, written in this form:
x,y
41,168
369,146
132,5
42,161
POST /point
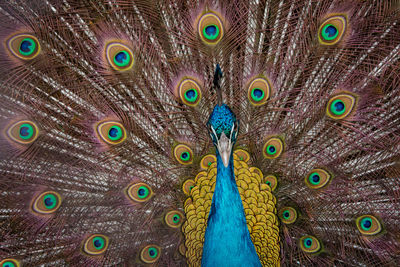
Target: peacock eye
x,y
24,46
150,253
329,32
139,192
23,132
111,132
47,202
183,154
259,91
273,148
272,181
96,244
368,225
9,263
207,160
189,92
210,28
187,186
332,30
317,178
309,244
340,106
119,56
174,219
288,215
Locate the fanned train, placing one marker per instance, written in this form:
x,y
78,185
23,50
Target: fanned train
x,y
199,133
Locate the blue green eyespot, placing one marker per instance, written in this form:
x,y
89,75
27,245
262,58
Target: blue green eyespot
x,y
115,133
368,225
24,46
143,192
122,58
99,242
95,244
211,32
329,32
273,148
210,28
189,91
340,106
139,192
26,131
150,254
50,201
183,154
288,215
153,253
309,244
317,178
191,95
111,132
259,91
119,56
27,46
257,94
46,203
9,263
174,219
332,30
23,132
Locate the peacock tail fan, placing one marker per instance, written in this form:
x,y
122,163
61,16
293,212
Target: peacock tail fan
x,y
106,157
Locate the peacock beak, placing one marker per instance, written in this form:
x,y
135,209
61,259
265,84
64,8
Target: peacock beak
x,y
225,148
224,145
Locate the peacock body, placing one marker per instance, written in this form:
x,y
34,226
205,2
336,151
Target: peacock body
x,y
200,133
226,222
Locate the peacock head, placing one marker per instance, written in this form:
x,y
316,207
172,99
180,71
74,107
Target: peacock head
x,y
223,128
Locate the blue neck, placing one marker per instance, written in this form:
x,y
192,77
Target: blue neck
x,y
227,239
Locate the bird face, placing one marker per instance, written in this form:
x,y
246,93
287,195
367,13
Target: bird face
x,y
223,128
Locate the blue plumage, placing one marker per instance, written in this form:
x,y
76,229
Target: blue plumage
x,y
227,239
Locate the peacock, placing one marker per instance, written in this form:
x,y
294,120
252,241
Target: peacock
x,y
199,133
